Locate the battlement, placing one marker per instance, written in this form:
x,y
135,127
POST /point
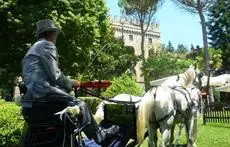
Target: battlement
x,y
117,20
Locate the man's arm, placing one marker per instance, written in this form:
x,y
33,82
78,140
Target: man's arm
x,y
49,60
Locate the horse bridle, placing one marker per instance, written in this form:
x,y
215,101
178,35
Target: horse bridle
x,y
199,77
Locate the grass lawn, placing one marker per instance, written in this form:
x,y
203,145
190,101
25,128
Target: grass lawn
x,y
209,135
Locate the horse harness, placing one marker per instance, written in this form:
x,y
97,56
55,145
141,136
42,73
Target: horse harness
x,y
189,100
183,91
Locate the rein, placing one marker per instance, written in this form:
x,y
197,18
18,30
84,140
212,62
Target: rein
x,y
107,99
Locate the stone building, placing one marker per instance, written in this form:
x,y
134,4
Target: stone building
x,y
130,32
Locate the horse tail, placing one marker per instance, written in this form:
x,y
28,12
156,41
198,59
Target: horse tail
x,y
144,114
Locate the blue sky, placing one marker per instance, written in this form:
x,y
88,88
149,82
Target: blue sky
x,y
176,25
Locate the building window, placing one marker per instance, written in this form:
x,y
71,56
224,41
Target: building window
x,y
150,40
130,37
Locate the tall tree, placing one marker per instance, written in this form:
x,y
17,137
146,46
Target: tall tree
x,y
85,35
200,7
181,49
143,12
219,29
164,65
170,47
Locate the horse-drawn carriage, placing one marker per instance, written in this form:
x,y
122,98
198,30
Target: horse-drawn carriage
x,y
48,130
44,128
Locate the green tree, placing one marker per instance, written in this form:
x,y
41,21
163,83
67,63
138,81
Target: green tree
x,y
219,29
154,52
181,49
170,47
143,12
86,34
215,58
124,84
164,65
111,61
200,7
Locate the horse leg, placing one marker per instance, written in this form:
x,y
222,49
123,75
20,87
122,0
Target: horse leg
x,y
172,135
166,126
152,132
192,124
187,130
191,132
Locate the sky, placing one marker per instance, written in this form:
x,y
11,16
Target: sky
x,y
176,25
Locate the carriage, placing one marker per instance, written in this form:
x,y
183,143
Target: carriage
x,y
43,128
123,113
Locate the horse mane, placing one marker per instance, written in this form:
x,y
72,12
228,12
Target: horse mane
x,y
184,79
187,77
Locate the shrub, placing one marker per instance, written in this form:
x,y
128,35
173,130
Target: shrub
x,y
11,121
124,84
11,124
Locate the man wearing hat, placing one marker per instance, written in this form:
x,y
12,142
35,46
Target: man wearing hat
x,y
42,77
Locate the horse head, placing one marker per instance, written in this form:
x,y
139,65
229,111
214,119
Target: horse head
x,y
195,95
192,76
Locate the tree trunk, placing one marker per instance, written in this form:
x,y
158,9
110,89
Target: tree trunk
x,y
205,42
143,51
205,38
142,41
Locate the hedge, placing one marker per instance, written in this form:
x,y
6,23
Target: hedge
x,y
11,121
11,124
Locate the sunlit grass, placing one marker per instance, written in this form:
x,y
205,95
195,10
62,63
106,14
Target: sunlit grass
x,y
209,135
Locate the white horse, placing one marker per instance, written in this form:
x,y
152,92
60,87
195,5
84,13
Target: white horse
x,y
172,92
162,106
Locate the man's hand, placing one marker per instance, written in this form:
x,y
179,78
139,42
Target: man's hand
x,y
76,84
72,110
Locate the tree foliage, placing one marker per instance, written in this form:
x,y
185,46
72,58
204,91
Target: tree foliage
x,y
86,35
219,29
215,58
123,84
181,49
164,65
200,7
170,47
143,12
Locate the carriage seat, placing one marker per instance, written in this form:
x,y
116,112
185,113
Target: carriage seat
x,y
42,110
